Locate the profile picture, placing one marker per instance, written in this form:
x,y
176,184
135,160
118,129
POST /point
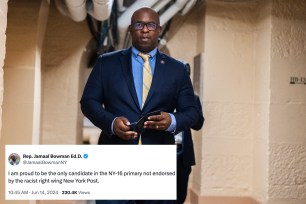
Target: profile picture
x,y
14,159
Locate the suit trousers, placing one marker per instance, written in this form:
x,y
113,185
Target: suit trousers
x,y
183,173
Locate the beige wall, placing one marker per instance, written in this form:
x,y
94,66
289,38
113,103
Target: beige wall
x,y
3,25
228,99
287,160
65,58
248,146
19,71
262,77
21,102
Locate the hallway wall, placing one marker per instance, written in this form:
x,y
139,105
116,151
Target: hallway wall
x,y
65,58
287,134
21,100
228,95
3,23
253,142
262,41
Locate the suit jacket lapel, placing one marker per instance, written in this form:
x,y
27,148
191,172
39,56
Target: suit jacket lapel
x,y
126,66
158,75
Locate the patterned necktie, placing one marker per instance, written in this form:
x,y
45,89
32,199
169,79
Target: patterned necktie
x,y
146,77
146,81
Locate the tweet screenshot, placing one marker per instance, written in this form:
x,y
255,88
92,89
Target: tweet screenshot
x,y
90,172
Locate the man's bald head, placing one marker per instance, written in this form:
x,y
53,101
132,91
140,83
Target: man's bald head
x,y
143,10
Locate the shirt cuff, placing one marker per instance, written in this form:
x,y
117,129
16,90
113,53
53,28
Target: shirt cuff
x,y
172,126
112,128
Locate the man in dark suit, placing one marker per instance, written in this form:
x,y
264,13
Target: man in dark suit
x,y
114,93
185,152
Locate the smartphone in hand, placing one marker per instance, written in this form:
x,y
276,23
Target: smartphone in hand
x,y
138,126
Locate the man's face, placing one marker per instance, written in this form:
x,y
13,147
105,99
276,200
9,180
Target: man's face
x,y
145,30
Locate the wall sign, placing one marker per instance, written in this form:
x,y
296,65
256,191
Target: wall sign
x,y
298,80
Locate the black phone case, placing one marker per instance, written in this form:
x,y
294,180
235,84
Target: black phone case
x,y
138,126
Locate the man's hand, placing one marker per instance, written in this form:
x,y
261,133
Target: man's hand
x,y
122,129
158,122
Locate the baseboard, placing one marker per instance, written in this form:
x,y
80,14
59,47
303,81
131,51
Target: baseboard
x,y
194,198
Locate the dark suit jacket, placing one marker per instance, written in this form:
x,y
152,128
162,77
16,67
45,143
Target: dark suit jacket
x,y
188,150
110,93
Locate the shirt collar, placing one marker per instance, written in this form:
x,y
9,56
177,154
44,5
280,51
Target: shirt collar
x,y
135,52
